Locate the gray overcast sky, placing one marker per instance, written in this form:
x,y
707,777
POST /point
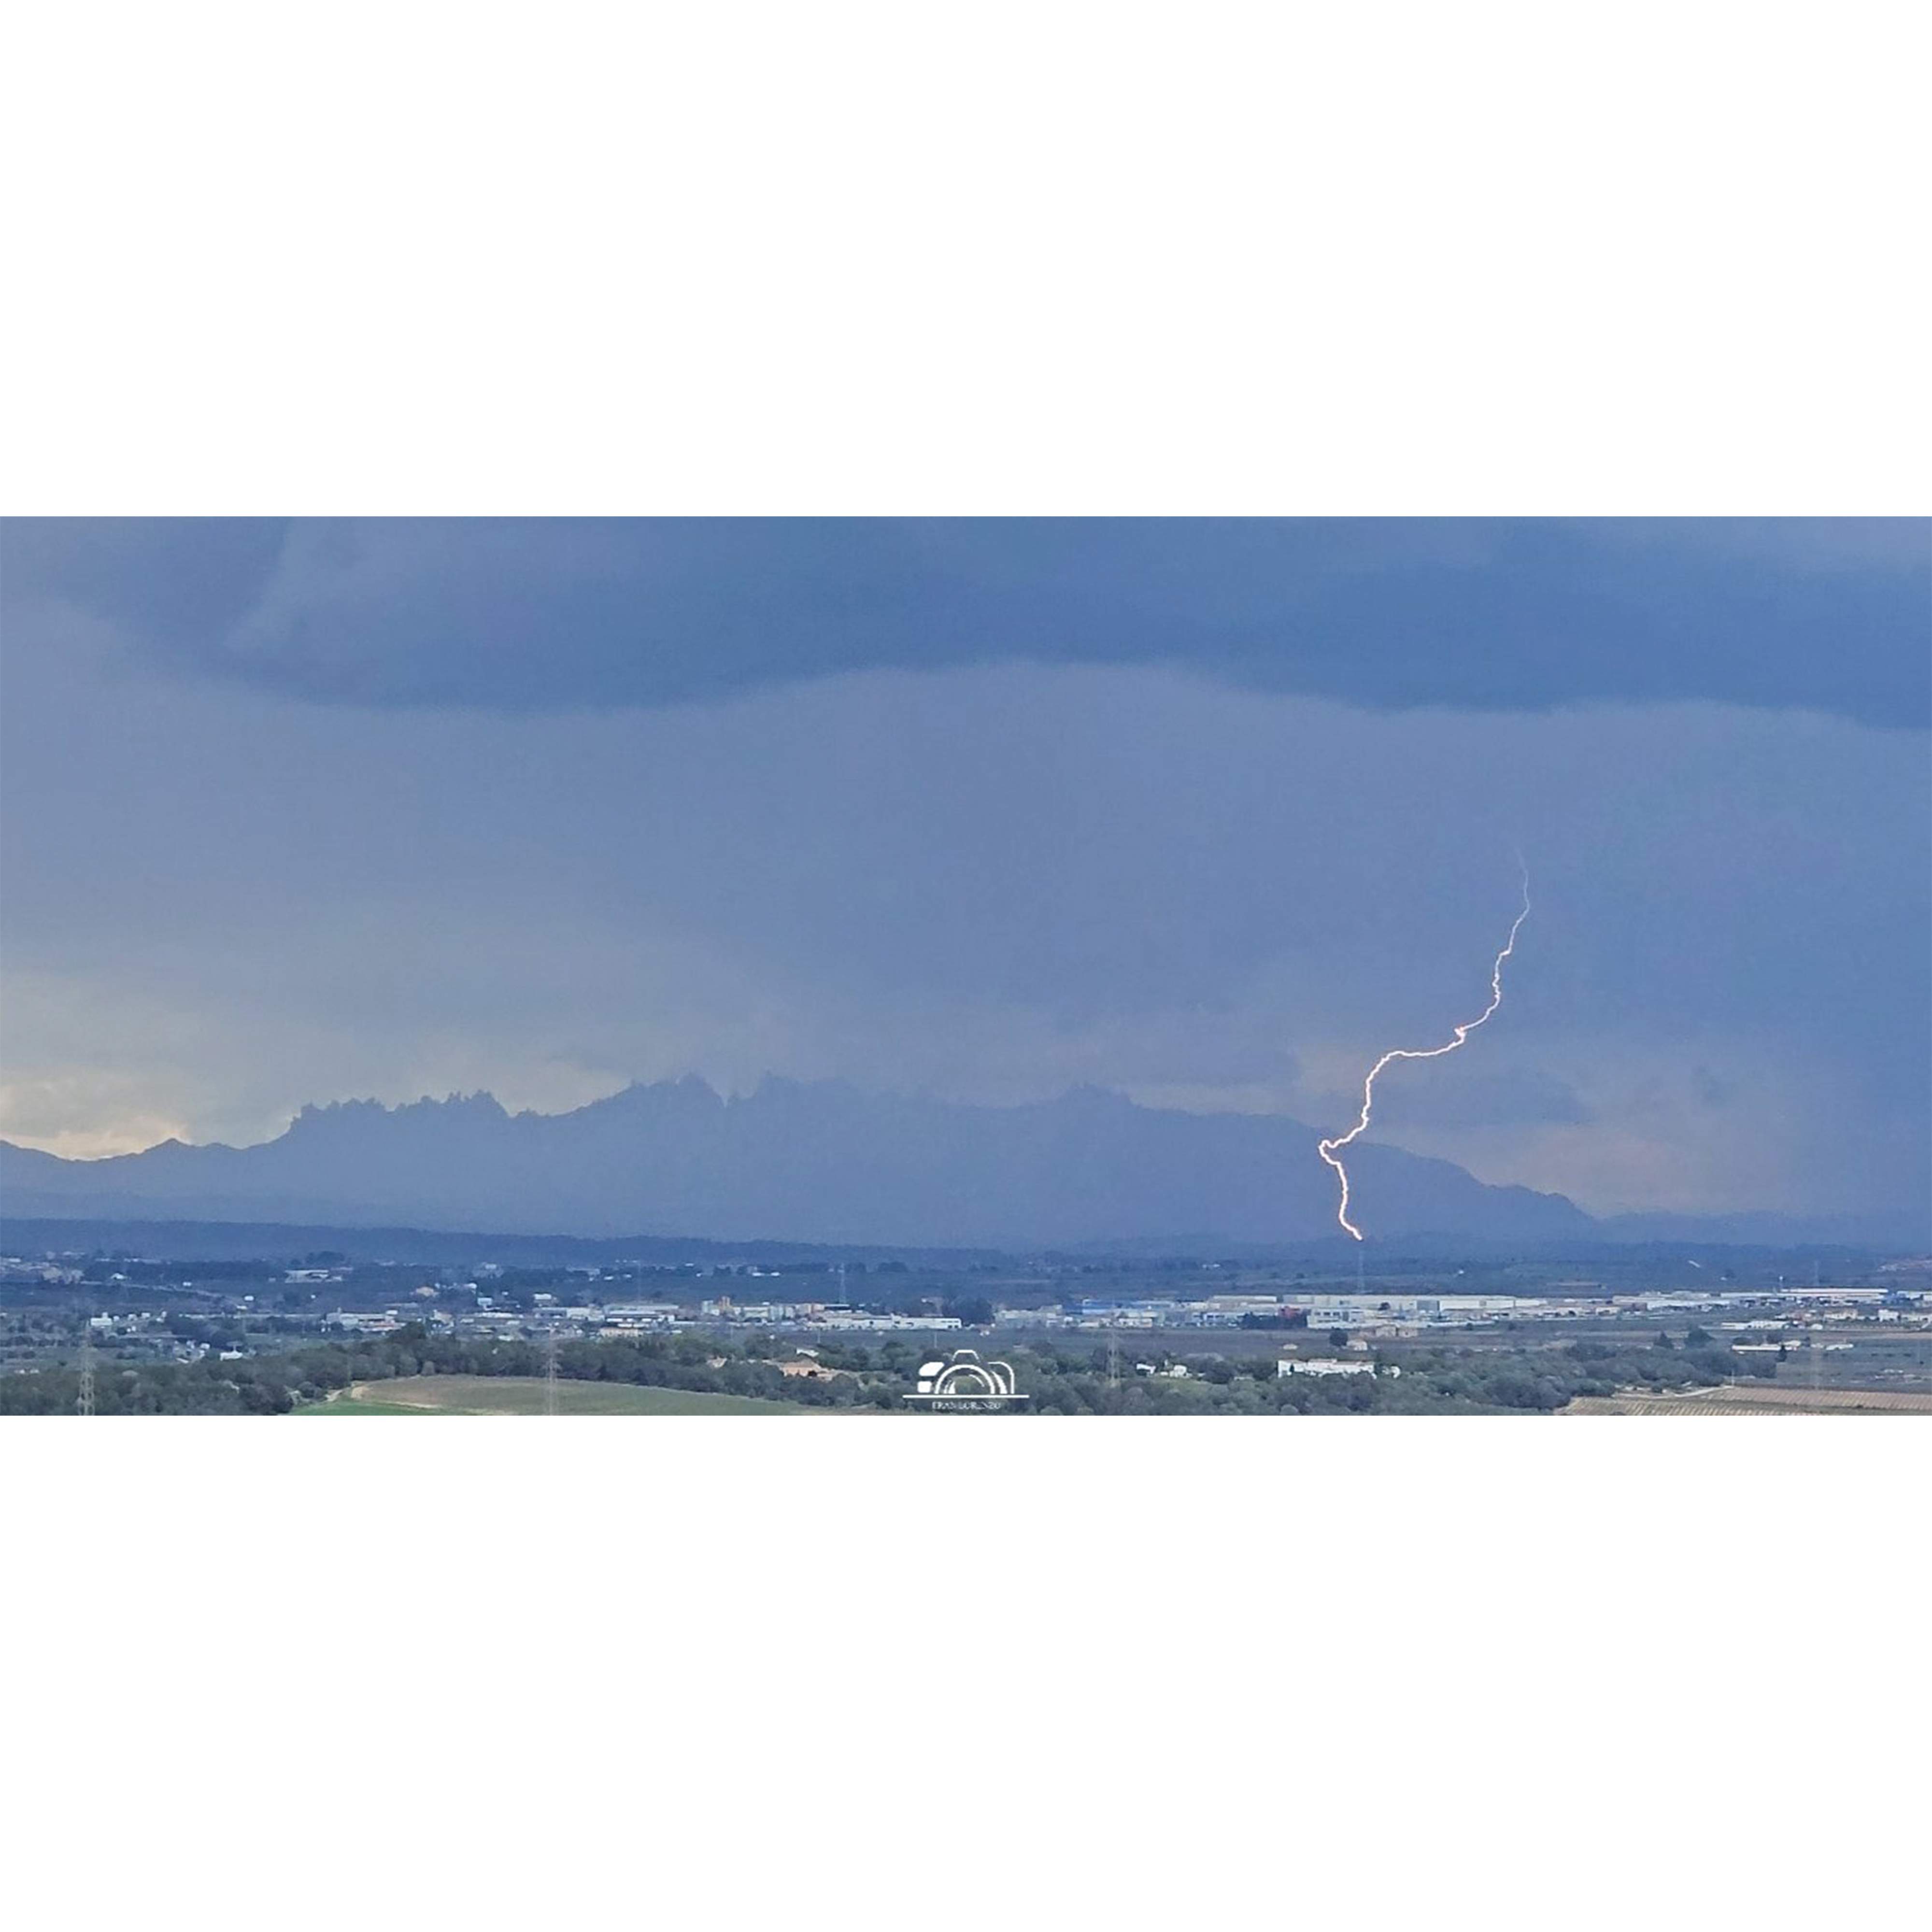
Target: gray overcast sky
x,y
1210,812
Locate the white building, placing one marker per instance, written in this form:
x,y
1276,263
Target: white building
x,y
1474,1307
917,1324
1326,1365
361,1324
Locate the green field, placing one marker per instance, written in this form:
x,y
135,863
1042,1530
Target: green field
x,y
524,1395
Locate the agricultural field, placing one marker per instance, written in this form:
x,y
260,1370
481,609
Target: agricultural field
x,y
1762,1399
521,1395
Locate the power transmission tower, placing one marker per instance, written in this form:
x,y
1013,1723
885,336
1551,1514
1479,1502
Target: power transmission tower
x,y
84,1403
1113,1360
550,1371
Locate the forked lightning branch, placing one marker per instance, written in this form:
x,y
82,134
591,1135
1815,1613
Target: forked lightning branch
x,y
1330,1149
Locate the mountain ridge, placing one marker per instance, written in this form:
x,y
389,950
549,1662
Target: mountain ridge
x,y
804,1160
825,1161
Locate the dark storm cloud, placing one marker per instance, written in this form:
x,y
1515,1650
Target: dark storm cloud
x,y
509,856
1480,615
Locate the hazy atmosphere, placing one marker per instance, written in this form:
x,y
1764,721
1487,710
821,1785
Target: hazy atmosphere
x,y
1207,814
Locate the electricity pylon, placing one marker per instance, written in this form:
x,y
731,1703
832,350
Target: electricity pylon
x,y
550,1371
84,1402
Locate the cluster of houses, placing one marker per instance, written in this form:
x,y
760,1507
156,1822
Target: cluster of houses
x,y
617,1322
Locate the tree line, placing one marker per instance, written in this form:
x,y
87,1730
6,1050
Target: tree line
x,y
1059,1379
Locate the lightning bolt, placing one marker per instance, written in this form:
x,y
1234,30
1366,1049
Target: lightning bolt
x,y
1329,1149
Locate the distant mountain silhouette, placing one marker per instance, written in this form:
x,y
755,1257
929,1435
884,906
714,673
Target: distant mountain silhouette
x,y
817,1161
